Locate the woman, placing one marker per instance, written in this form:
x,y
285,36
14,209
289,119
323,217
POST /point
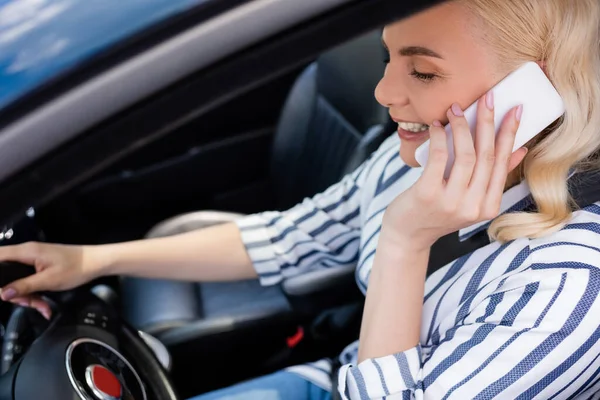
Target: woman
x,y
515,319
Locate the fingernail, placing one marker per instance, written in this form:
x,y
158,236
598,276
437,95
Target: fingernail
x,y
46,314
8,294
519,112
22,303
456,110
489,100
437,123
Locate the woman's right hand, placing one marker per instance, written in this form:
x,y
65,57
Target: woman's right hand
x,y
58,268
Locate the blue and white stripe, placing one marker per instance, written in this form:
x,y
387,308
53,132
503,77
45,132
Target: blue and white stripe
x,y
513,321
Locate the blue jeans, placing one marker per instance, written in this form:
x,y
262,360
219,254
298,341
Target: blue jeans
x,y
281,385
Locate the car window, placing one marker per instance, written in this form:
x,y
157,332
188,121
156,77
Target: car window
x,y
40,39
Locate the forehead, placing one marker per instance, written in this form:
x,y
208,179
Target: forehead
x,y
447,29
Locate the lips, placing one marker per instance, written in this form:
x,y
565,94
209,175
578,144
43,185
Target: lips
x,y
412,131
413,136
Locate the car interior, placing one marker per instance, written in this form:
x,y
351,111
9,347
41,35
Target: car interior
x,y
267,148
329,123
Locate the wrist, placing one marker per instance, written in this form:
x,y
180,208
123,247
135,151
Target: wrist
x,y
102,259
403,239
399,250
393,262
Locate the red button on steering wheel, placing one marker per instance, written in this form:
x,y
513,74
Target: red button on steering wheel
x,y
103,383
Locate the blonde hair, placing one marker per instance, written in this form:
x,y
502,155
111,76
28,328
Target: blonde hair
x,y
565,36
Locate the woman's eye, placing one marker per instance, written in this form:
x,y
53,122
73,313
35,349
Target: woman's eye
x,y
423,77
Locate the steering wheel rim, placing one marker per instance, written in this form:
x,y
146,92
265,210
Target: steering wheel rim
x,y
65,329
156,376
18,334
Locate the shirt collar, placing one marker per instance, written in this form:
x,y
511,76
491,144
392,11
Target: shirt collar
x,y
514,199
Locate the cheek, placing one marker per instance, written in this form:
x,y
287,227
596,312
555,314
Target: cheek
x,y
432,104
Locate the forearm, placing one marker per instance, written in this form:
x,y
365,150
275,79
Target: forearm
x,y
392,315
210,254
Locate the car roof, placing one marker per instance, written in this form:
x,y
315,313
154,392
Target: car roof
x,y
42,39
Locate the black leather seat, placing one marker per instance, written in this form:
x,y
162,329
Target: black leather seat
x,y
328,126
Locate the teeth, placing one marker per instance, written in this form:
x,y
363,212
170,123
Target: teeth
x,y
413,126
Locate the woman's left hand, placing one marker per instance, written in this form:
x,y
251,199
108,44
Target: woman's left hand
x,y
433,206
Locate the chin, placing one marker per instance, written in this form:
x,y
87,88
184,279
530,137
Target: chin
x,y
407,152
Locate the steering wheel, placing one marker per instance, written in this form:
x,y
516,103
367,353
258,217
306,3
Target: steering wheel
x,y
86,352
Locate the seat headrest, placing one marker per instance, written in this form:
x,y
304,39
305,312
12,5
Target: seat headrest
x,y
347,77
584,187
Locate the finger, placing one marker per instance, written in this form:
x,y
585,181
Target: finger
x,y
464,152
485,137
35,302
22,287
517,158
438,154
504,145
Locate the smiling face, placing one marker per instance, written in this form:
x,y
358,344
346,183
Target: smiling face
x,y
436,58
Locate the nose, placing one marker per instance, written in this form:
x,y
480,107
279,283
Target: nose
x,y
390,91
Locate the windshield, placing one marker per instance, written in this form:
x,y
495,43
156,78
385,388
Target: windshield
x,y
40,39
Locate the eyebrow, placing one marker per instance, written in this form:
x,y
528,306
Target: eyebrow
x,y
415,51
419,51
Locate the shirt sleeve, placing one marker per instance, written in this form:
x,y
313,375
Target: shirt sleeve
x,y
535,337
320,232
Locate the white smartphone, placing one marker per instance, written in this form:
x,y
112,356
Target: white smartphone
x,y
528,85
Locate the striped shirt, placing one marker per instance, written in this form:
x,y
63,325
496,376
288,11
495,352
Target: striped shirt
x,y
519,320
